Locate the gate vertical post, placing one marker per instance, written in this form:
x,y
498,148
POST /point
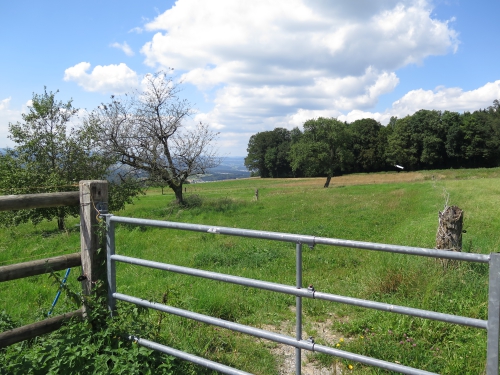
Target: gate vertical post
x,y
93,203
298,307
493,315
111,265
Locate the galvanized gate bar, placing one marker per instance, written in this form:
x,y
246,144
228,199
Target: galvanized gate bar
x,y
276,337
418,313
287,289
308,240
272,336
372,361
110,265
493,315
492,325
407,250
298,306
188,357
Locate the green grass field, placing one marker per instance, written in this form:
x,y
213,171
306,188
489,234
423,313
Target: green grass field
x,y
388,208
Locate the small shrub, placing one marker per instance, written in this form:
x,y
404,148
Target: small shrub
x,y
6,322
192,201
222,204
99,345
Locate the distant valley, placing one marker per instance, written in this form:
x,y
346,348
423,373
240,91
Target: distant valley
x,y
231,168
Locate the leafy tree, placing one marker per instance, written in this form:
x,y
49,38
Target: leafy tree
x,y
418,141
276,158
452,123
256,157
268,153
494,123
427,139
50,157
400,148
481,145
324,149
392,122
145,131
368,145
428,136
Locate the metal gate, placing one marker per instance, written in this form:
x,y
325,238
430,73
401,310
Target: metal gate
x,y
491,325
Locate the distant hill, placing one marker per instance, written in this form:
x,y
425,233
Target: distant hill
x,y
231,168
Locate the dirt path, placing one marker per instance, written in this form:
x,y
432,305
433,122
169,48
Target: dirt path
x,y
286,354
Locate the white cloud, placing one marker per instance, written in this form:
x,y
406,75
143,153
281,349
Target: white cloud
x,y
233,143
269,64
264,107
124,47
4,104
137,30
357,114
116,79
453,99
7,115
293,34
272,59
441,98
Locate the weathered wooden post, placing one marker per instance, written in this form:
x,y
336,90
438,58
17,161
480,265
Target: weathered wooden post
x,y
256,194
449,233
93,202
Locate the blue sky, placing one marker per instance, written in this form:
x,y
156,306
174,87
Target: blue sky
x,y
253,66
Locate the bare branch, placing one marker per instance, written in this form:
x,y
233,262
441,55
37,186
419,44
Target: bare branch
x,y
145,131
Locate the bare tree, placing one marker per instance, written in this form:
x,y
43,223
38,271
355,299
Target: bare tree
x,y
145,130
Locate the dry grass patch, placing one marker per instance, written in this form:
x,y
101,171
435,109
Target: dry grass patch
x,y
352,179
377,178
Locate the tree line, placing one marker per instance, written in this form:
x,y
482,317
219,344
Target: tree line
x,y
133,139
428,139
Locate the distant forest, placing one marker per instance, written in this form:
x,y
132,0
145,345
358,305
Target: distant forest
x,y
428,139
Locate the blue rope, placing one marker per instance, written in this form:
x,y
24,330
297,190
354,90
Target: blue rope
x,y
59,291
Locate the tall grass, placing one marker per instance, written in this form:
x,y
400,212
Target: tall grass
x,y
403,211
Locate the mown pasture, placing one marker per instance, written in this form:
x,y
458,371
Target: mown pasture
x,y
395,208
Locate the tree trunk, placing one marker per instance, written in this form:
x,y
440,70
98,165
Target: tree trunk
x,y
449,234
60,219
327,183
178,194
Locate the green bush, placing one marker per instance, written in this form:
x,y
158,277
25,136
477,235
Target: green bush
x,y
99,345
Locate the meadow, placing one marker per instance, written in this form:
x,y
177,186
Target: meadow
x,y
394,208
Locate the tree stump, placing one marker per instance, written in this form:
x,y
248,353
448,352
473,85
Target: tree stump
x,y
449,233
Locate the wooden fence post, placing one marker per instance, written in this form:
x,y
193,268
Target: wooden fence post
x,y
93,201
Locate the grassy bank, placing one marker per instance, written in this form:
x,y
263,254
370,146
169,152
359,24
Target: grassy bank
x,y
389,208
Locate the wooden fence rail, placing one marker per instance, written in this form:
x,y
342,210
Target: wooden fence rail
x,y
92,198
45,200
39,267
36,329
